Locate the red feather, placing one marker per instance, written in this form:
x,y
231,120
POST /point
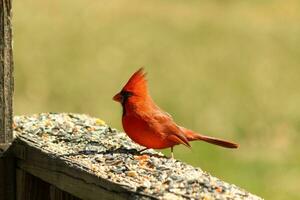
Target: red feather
x,y
137,83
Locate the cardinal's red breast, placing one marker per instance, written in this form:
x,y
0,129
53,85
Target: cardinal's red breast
x,y
143,133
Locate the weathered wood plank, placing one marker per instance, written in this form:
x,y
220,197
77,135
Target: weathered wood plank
x,y
20,184
30,187
7,180
57,194
69,178
6,74
86,158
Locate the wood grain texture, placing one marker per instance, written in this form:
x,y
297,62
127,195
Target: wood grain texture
x,y
7,177
57,194
20,184
7,171
6,74
66,176
30,187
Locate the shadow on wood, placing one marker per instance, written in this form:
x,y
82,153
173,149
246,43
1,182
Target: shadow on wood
x,y
30,187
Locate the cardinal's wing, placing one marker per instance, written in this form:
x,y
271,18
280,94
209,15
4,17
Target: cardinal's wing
x,y
164,123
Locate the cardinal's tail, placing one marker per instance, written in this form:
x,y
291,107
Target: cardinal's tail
x,y
190,135
217,141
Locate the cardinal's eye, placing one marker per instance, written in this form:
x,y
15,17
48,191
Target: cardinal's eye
x,y
126,94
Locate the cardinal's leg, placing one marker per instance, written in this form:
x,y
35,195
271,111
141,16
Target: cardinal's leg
x,y
172,155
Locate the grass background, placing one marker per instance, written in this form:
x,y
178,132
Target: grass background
x,y
230,69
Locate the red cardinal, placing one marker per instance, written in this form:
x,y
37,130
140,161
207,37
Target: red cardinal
x,y
148,125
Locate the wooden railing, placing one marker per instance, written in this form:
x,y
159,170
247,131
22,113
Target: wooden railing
x,y
72,155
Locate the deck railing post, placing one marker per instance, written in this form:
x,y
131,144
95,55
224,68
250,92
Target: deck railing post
x,y
6,74
7,170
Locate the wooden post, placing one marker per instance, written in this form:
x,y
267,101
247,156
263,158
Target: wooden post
x,y
6,74
7,167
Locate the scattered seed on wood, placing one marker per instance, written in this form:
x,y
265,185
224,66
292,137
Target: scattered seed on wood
x,y
110,154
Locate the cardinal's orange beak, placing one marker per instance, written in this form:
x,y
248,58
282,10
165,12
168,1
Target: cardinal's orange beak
x,y
118,97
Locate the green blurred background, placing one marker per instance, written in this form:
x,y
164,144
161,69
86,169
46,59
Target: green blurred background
x,y
230,69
